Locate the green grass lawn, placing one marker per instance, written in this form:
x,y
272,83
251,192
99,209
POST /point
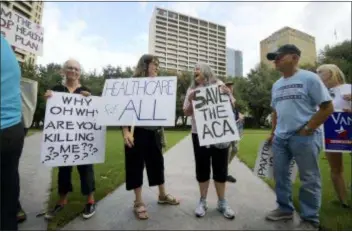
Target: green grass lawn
x,y
332,216
32,131
108,176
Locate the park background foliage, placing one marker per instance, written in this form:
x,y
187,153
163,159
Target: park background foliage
x,y
252,92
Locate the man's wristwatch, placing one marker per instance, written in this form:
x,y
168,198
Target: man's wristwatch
x,y
309,130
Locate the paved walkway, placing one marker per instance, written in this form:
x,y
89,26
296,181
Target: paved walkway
x,y
35,180
250,197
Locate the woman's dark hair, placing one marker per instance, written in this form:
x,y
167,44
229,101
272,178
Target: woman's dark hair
x,y
143,64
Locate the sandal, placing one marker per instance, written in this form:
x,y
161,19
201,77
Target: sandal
x,y
140,210
168,199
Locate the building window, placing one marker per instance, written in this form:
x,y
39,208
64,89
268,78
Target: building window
x,y
212,26
162,12
184,18
19,55
24,5
203,23
21,12
172,15
192,20
221,28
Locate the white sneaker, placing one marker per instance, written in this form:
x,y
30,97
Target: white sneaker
x,y
201,208
224,208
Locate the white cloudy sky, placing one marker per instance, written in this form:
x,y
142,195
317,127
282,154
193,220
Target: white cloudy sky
x,y
98,35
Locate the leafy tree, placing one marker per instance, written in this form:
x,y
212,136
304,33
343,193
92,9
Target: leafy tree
x,y
341,55
239,90
257,93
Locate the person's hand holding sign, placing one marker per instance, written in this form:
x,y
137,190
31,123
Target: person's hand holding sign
x,y
225,89
48,94
85,93
128,137
270,139
348,97
192,95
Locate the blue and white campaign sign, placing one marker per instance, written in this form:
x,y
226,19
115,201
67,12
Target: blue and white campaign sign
x,y
337,136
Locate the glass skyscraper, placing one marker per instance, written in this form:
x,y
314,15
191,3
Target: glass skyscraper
x,y
234,62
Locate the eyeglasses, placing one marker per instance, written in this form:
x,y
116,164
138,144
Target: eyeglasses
x,y
70,68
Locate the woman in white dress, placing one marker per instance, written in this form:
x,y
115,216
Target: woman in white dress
x,y
334,80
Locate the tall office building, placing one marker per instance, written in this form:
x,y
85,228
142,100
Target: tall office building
x,y
180,41
287,35
234,63
32,10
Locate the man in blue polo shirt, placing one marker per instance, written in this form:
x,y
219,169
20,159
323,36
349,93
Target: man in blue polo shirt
x,y
12,135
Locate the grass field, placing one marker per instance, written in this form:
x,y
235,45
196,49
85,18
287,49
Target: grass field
x,y
108,176
332,216
32,131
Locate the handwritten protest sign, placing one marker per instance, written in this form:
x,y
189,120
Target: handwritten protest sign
x,y
264,166
21,32
71,135
138,102
214,116
337,132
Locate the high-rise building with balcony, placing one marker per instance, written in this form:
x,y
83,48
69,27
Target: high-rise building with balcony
x,y
287,35
32,10
180,41
234,63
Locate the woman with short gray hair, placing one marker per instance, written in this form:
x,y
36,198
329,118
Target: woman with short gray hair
x,y
207,156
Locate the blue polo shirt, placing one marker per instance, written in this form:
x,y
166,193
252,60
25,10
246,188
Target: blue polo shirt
x,y
11,108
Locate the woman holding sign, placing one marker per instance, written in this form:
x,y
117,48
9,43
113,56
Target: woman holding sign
x,y
143,147
334,80
207,156
71,84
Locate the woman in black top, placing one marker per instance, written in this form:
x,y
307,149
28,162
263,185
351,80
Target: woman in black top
x,y
144,147
71,84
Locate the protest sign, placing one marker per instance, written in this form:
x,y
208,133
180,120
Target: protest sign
x,y
214,116
29,93
264,166
138,101
71,135
21,32
337,132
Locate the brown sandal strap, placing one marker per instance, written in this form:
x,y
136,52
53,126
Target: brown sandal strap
x,y
170,198
139,207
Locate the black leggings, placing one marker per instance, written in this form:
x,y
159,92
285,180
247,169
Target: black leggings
x,y
147,151
210,157
86,174
12,139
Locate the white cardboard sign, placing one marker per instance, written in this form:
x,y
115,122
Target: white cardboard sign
x,y
138,101
214,116
21,32
71,135
264,166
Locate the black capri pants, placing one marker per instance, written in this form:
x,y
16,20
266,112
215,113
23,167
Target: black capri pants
x,y
86,174
210,157
147,151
